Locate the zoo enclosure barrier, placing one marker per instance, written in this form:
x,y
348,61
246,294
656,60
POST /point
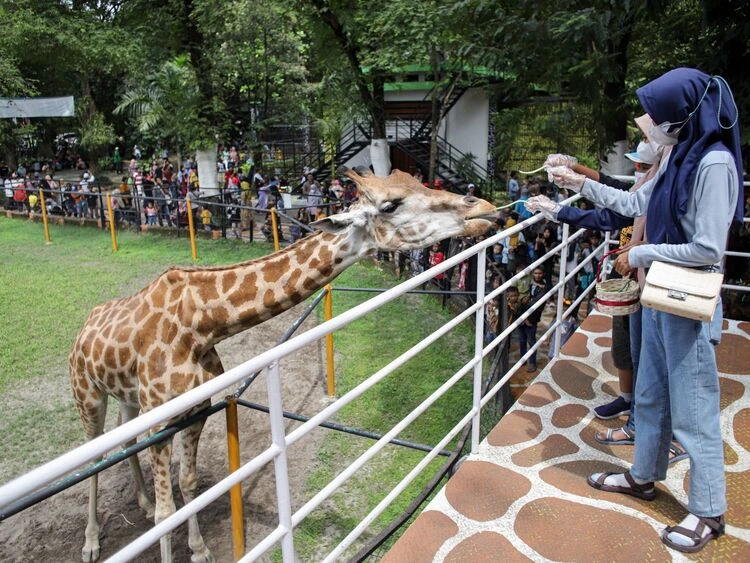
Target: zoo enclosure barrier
x,y
277,451
287,518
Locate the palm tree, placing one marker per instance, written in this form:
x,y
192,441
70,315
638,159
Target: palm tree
x,y
165,105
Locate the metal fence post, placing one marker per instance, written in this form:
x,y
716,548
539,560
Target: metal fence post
x,y
478,348
561,291
112,229
274,227
329,342
47,238
235,494
191,228
278,438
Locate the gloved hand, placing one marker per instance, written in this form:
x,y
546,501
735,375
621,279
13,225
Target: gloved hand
x,y
560,160
566,178
545,205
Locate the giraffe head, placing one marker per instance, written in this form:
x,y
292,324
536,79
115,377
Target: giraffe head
x,y
396,212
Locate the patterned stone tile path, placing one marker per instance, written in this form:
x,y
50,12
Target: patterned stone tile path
x,y
523,495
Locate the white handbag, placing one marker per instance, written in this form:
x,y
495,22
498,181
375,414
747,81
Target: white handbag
x,y
682,291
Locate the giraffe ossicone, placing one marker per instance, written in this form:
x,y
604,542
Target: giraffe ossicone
x,y
150,347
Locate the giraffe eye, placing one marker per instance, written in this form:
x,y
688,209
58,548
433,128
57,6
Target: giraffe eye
x,y
390,206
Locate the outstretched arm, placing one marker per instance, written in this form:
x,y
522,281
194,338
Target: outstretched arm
x,y
597,219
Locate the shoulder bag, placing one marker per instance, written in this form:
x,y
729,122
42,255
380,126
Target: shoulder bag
x,y
685,292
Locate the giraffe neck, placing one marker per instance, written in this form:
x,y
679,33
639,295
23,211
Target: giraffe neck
x,y
226,301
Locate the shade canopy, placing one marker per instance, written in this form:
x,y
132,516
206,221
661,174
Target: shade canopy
x,y
37,107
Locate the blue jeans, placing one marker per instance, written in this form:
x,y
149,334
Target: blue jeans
x,y
677,391
635,354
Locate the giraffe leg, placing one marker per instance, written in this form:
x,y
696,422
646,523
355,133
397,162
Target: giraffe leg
x,y
127,413
161,456
93,411
188,485
210,365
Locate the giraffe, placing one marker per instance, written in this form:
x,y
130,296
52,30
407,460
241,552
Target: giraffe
x,y
150,347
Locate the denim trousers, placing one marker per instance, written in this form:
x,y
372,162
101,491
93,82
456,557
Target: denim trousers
x,y
635,354
677,392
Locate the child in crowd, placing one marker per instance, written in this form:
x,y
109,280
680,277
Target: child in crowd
x,y
434,258
206,219
152,214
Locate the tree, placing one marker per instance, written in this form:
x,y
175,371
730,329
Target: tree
x,y
164,106
344,23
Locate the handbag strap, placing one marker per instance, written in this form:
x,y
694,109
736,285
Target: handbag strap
x,y
634,272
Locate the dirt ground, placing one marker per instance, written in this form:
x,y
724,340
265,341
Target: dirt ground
x,y
54,529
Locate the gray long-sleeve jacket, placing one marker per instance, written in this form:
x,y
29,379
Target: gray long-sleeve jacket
x,y
706,222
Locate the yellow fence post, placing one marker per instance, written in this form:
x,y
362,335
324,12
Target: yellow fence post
x,y
235,493
191,228
274,223
47,238
329,342
112,229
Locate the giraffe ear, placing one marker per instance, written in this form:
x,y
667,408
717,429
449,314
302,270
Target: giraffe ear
x,y
337,223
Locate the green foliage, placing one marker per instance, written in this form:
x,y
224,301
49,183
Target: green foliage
x,y
96,133
164,105
257,64
527,134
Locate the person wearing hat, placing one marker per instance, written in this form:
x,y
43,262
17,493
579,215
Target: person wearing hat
x,y
626,330
690,205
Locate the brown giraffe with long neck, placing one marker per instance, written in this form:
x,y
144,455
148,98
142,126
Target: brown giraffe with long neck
x,y
148,348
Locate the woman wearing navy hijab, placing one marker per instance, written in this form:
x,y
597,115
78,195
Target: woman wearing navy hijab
x,y
690,205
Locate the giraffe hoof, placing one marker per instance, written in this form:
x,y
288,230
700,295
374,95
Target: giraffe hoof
x,y
148,508
90,553
202,557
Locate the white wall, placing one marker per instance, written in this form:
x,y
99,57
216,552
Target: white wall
x,y
466,126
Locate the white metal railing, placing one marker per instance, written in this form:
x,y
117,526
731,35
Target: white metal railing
x,y
280,441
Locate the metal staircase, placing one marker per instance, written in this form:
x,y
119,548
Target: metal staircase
x,y
455,168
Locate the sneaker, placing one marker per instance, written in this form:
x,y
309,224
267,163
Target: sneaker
x,y
616,408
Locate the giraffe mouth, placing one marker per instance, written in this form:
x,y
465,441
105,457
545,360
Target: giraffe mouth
x,y
478,221
476,227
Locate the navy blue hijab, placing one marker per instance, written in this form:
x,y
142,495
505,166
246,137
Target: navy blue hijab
x,y
672,97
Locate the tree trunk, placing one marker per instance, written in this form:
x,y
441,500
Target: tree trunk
x,y
434,116
615,93
373,99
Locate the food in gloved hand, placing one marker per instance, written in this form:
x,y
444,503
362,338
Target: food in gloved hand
x,y
566,178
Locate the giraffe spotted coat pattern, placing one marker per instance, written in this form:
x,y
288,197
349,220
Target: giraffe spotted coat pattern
x,y
148,348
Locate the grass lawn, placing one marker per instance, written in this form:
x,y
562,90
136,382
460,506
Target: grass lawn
x,y
48,290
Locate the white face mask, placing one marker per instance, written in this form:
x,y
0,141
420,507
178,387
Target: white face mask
x,y
639,175
661,135
647,152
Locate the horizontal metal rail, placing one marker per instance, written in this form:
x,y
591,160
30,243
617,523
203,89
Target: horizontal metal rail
x,y
47,473
343,428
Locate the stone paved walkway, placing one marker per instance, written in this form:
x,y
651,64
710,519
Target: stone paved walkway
x,y
523,495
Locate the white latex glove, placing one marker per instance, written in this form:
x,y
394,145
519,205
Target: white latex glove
x,y
543,204
560,160
566,178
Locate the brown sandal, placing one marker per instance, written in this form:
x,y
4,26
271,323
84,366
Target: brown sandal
x,y
643,492
699,540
